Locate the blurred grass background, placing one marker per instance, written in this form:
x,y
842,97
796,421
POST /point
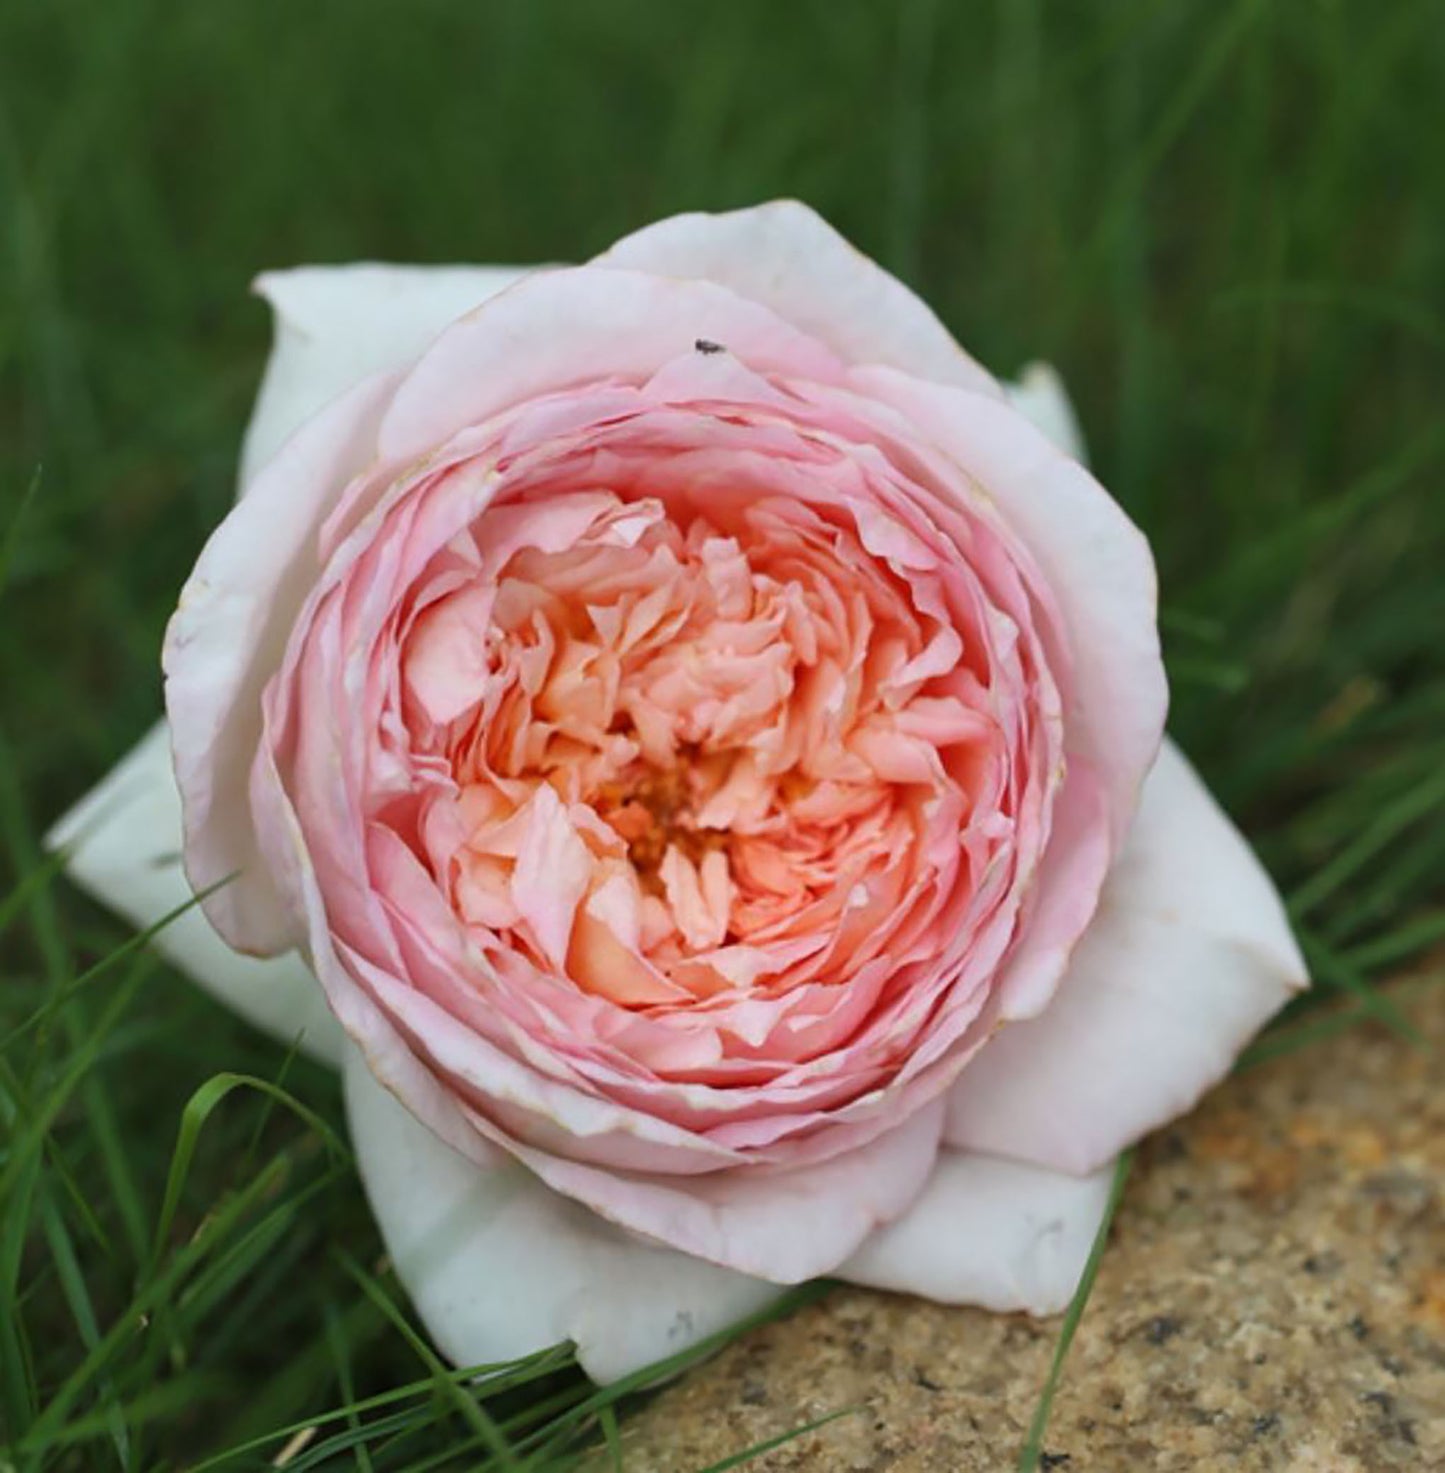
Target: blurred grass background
x,y
1224,222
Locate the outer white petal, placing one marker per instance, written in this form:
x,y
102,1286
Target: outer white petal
x,y
1040,396
498,1265
336,325
124,847
1189,954
990,1232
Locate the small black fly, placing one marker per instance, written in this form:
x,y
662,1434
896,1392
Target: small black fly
x,y
706,345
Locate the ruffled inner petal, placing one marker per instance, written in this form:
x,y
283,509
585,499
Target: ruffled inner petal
x,y
696,754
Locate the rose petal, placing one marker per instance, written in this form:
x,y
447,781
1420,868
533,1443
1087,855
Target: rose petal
x,y
124,847
1189,954
557,329
786,1225
789,259
499,1266
1040,396
1067,891
225,640
336,325
990,1232
1097,565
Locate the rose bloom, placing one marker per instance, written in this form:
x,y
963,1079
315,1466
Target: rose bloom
x,y
704,739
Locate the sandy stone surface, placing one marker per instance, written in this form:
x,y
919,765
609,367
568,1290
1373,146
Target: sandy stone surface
x,y
1273,1298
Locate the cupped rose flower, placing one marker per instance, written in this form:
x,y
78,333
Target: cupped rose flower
x,y
703,735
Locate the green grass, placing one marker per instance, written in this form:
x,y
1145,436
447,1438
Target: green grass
x,y
1225,222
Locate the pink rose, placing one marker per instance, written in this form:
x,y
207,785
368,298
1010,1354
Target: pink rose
x,y
705,740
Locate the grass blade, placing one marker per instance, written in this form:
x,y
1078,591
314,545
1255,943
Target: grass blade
x,y
1032,1450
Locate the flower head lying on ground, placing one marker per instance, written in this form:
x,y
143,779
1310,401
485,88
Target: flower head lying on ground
x,y
703,737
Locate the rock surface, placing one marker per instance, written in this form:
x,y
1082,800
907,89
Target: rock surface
x,y
1273,1298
